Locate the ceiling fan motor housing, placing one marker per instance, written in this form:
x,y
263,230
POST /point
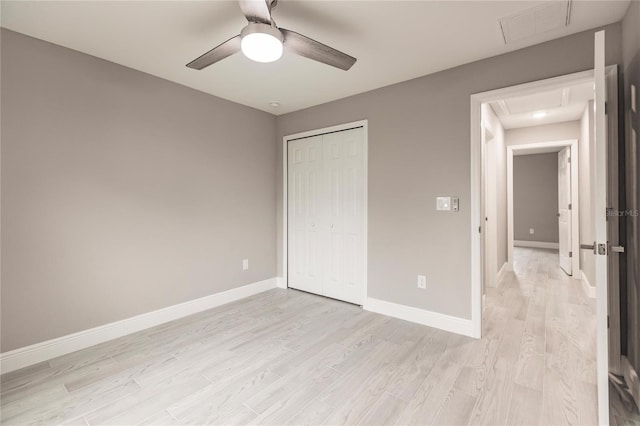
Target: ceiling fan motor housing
x,y
257,27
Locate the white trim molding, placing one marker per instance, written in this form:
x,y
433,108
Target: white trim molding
x,y
536,244
631,379
503,270
281,282
589,290
43,351
421,316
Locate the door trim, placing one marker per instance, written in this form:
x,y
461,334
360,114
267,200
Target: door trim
x,y
364,124
575,200
477,100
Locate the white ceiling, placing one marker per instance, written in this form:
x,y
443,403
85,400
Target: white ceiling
x,y
559,105
394,41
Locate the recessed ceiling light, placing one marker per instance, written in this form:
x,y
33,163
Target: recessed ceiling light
x,y
274,104
539,114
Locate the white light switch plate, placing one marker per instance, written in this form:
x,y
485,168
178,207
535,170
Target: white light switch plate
x,y
443,203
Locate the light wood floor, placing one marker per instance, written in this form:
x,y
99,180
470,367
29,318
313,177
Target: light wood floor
x,y
287,357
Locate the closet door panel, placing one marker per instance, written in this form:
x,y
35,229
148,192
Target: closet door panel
x,y
304,214
344,170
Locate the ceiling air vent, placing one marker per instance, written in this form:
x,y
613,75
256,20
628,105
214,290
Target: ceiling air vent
x,y
536,20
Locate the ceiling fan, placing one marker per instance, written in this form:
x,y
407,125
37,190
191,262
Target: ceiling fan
x,y
262,41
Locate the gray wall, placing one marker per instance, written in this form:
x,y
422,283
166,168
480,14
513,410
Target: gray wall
x,y
586,185
494,125
123,193
544,133
419,149
631,71
535,197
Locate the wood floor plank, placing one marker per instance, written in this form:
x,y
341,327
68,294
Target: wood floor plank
x,y
493,402
560,405
424,406
456,408
352,407
416,366
314,413
525,406
385,411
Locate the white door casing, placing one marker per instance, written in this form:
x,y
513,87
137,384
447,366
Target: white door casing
x,y
564,208
328,258
600,219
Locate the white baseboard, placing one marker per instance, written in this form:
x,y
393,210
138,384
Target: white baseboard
x,y
281,282
502,271
536,244
421,316
631,379
43,351
589,290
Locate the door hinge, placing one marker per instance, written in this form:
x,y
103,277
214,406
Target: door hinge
x,y
607,321
606,108
570,206
479,229
568,159
570,254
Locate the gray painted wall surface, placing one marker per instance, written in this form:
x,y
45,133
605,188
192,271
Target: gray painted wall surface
x,y
631,71
123,193
544,133
495,127
535,197
586,182
419,149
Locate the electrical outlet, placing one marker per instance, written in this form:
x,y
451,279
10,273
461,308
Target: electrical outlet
x,y
422,281
531,231
245,264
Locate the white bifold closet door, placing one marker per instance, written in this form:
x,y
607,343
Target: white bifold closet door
x,y
326,215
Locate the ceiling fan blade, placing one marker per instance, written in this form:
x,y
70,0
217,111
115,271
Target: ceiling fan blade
x,y
304,46
216,54
256,11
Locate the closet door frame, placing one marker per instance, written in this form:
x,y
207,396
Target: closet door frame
x,y
283,282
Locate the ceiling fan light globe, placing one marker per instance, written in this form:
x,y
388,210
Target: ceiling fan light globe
x,y
261,43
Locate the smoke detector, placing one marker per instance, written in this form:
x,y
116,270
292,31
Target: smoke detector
x,y
539,19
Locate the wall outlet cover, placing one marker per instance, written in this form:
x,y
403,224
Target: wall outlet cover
x,y
245,264
422,281
532,231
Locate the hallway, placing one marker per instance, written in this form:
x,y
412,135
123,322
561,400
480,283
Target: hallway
x,y
544,327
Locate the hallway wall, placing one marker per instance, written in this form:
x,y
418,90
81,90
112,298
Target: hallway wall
x,y
585,185
535,197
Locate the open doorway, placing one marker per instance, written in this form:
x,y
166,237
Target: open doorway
x,y
580,327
